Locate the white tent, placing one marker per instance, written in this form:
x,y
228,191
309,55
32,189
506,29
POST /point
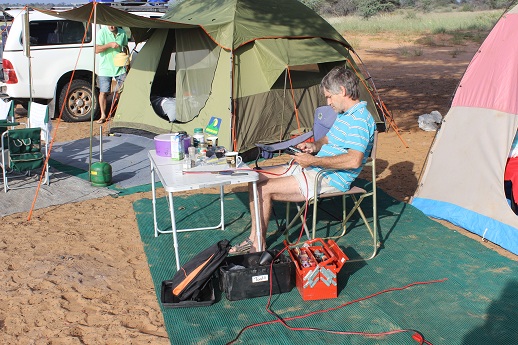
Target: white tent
x,y
463,180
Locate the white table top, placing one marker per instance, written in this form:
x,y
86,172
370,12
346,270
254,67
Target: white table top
x,y
174,179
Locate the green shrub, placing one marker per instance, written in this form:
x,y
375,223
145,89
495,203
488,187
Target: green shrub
x,y
369,8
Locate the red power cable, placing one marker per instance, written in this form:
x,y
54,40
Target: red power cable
x,y
416,335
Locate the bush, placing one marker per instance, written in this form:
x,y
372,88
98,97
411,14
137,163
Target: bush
x,y
336,8
369,8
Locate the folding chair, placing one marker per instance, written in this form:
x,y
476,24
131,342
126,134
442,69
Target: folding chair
x,y
7,110
21,154
38,116
6,116
356,193
324,118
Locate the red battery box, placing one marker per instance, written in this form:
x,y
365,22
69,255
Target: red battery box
x,y
316,266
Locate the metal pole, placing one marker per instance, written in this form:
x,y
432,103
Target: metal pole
x,y
27,53
100,143
94,39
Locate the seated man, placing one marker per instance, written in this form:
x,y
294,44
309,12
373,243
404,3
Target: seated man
x,y
346,148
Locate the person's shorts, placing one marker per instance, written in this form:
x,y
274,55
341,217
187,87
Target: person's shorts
x,y
105,83
306,179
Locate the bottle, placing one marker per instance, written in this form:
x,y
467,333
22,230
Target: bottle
x,y
177,150
202,147
198,137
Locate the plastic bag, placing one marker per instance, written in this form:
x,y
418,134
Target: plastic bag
x,y
430,122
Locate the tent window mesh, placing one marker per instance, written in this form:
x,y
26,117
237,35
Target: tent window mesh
x,y
196,61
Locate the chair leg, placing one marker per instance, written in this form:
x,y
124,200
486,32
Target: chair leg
x,y
294,220
374,234
4,171
347,215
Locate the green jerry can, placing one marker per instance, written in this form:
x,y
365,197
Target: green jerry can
x,y
101,174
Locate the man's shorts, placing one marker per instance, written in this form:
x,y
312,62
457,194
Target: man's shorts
x,y
306,179
105,83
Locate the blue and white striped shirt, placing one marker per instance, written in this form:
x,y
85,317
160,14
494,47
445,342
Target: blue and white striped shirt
x,y
353,129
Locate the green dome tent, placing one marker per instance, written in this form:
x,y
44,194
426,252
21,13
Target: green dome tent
x,y
255,65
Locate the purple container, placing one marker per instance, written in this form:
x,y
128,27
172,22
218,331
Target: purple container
x,y
186,143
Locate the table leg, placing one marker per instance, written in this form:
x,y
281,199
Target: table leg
x,y
174,230
173,226
153,193
221,196
257,217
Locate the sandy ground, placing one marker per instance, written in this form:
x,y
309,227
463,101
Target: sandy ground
x,y
77,273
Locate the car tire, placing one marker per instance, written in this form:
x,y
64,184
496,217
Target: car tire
x,y
79,102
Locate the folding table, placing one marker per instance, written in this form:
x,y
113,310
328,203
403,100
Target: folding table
x,y
174,179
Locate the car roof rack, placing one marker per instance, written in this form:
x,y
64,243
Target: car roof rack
x,y
133,6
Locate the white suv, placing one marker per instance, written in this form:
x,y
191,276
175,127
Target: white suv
x,y
55,44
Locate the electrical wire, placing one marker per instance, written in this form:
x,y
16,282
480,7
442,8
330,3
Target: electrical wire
x,y
51,144
417,336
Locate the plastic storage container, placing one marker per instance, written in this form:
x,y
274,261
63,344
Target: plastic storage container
x,y
163,145
253,280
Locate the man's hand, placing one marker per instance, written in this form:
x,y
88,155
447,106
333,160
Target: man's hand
x,y
313,147
304,159
104,47
307,147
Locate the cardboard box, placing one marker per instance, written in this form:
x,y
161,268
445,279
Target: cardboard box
x,y
242,277
317,264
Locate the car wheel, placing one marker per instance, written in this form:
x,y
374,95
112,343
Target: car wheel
x,y
79,101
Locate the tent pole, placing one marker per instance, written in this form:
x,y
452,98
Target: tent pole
x,y
27,52
94,39
281,133
232,115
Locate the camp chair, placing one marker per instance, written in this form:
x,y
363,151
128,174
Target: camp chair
x,y
6,116
356,193
7,110
324,118
38,116
21,153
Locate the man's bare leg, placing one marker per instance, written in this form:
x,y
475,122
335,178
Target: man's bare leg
x,y
271,187
102,106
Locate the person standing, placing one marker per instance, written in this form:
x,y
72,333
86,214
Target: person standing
x,y
111,40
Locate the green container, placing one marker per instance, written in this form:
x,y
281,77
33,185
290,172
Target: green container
x,y
101,174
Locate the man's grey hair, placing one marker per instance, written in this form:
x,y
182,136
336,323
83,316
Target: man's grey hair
x,y
341,76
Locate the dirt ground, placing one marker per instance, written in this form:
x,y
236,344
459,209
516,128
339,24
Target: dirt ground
x,y
77,273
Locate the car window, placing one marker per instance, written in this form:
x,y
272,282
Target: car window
x,y
57,32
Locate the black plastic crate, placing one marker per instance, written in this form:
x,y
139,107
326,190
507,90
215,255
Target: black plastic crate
x,y
205,298
254,280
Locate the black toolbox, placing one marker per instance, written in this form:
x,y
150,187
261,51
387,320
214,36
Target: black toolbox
x,y
241,276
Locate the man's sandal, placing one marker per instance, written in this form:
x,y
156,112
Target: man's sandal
x,y
242,248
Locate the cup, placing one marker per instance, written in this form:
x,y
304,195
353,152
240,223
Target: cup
x,y
233,159
212,141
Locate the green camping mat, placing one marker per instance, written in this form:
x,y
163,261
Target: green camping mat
x,y
476,304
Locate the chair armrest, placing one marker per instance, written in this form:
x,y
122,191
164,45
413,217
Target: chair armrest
x,y
284,144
